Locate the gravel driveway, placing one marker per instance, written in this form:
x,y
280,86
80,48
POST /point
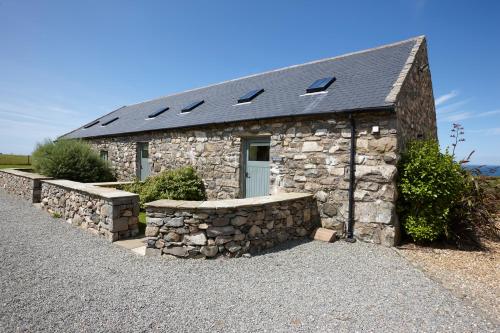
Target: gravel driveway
x,y
58,278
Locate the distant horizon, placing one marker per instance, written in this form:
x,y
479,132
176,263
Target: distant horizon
x,y
59,72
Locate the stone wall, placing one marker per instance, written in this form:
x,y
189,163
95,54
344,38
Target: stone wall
x,y
197,229
103,211
415,108
22,183
309,155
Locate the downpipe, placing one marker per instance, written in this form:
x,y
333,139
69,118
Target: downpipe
x,y
352,179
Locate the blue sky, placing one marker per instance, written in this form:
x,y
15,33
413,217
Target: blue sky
x,y
64,63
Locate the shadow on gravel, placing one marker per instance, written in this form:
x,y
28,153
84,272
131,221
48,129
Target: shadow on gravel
x,y
288,245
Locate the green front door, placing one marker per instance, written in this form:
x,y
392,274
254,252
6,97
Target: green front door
x,y
257,167
143,167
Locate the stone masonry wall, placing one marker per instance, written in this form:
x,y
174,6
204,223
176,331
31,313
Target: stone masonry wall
x,y
309,154
315,159
198,229
122,153
415,108
24,184
113,215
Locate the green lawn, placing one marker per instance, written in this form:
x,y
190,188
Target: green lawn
x,y
15,159
7,166
142,222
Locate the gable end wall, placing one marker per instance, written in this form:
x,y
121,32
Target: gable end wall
x,y
415,109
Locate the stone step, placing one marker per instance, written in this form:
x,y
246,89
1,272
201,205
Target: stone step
x,y
324,235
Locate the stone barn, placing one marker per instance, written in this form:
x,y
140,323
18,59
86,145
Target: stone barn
x,y
333,127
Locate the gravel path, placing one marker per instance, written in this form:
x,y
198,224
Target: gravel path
x,y
58,278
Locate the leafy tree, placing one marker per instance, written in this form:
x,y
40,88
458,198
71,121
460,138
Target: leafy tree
x,y
72,160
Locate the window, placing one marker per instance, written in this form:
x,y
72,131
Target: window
x,y
109,121
91,124
145,150
320,85
258,153
192,106
157,113
104,155
250,95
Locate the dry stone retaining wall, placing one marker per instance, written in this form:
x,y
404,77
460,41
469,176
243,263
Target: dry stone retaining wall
x,y
197,229
103,211
22,183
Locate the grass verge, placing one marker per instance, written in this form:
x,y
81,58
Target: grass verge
x,y
142,222
8,166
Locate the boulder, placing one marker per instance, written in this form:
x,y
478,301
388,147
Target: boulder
x,y
254,231
174,221
217,231
151,231
239,220
209,251
197,238
329,209
172,237
311,146
177,251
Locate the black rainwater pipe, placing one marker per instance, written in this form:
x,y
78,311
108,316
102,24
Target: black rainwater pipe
x,y
352,179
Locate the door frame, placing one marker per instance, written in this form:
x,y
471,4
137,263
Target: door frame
x,y
138,158
246,141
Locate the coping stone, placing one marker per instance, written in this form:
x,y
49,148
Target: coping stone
x,y
25,174
228,203
105,192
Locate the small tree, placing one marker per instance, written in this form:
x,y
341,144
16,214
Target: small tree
x,y
430,184
72,160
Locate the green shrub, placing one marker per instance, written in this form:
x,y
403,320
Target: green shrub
x,y
431,183
179,184
70,159
472,218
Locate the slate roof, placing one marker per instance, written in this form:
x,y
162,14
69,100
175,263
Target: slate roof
x,y
364,80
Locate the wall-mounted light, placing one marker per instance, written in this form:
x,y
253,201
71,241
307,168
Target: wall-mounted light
x,y
375,129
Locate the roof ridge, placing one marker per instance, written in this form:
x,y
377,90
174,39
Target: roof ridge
x,y
417,38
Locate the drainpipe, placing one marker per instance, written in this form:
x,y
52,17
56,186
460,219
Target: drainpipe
x,y
352,178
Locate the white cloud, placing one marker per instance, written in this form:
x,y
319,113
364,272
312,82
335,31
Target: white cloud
x,y
23,123
452,107
467,115
489,113
487,131
446,97
457,116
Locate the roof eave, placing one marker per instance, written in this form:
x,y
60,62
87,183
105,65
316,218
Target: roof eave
x,y
383,108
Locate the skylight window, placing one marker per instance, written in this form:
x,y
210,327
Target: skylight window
x,y
320,85
109,121
192,106
250,95
91,124
157,113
